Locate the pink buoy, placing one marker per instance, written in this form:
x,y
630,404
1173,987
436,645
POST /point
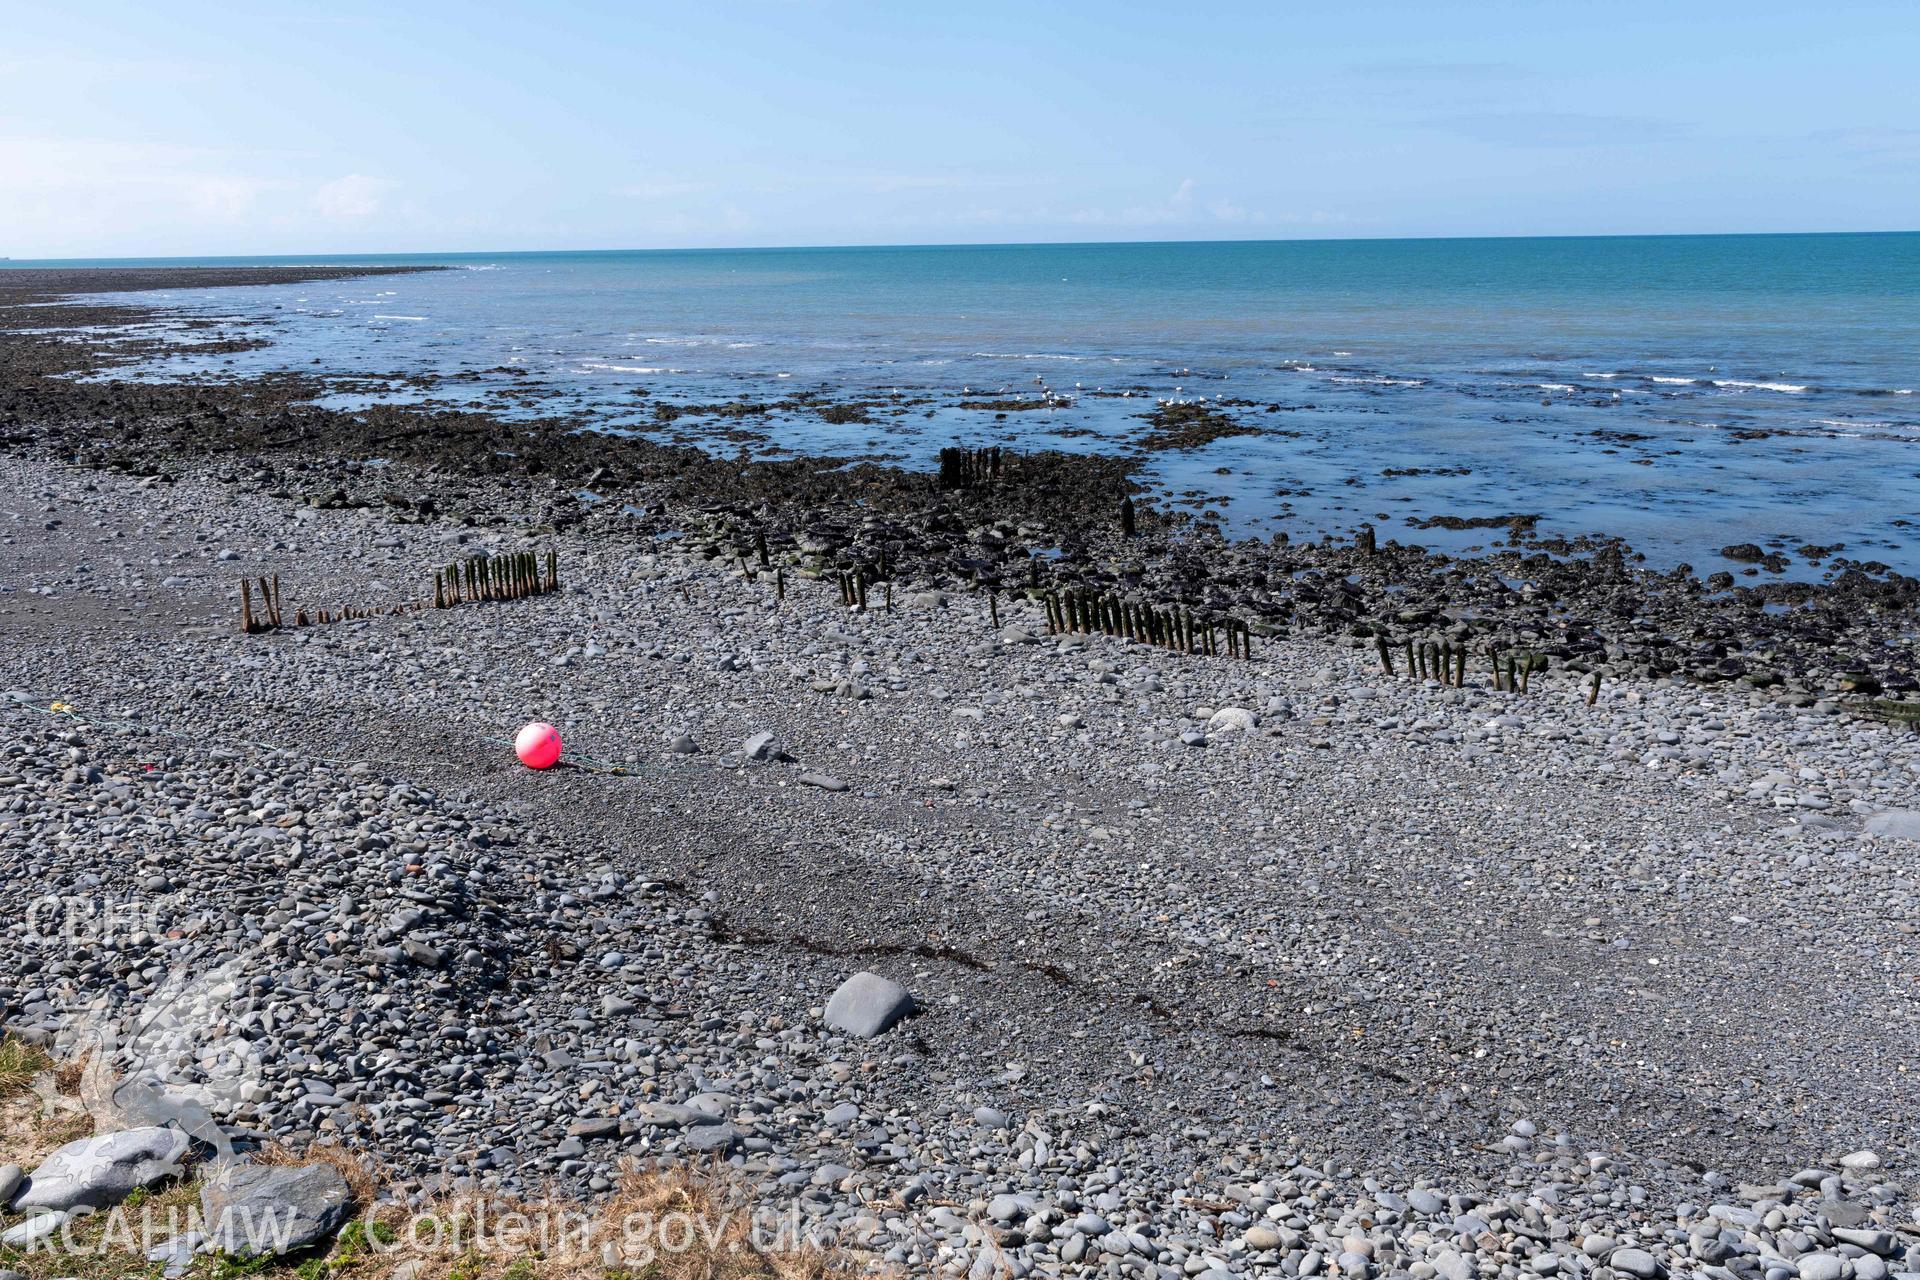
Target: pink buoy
x,y
538,745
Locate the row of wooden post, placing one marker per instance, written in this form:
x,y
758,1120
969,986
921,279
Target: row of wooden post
x,y
1087,612
1446,662
271,619
853,588
269,603
508,577
962,468
855,581
1520,666
1896,712
1443,661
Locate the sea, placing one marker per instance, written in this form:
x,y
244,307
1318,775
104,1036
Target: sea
x,y
1686,393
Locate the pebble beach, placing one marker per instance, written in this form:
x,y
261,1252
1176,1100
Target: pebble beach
x,y
1174,964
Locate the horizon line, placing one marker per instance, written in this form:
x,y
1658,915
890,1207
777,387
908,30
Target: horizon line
x,y
16,263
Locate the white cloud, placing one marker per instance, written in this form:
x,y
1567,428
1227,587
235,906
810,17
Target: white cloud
x,y
354,198
223,196
1184,208
85,197
69,195
663,189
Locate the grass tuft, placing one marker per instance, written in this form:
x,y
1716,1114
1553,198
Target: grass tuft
x,y
361,1179
20,1062
31,1127
455,1238
712,1228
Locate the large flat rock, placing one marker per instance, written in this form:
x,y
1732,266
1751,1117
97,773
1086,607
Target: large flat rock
x,y
255,1209
1897,824
101,1171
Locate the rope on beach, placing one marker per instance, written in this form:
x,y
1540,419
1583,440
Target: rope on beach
x,y
62,709
586,764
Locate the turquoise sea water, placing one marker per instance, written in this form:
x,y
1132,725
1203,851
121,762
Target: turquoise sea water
x,y
1686,392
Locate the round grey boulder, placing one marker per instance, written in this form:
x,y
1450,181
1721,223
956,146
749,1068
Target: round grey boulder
x,y
1635,1262
1820,1266
762,747
1232,720
867,1004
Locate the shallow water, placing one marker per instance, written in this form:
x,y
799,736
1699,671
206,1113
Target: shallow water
x,y
1684,392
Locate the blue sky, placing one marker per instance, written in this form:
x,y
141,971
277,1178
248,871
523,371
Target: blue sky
x,y
187,128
